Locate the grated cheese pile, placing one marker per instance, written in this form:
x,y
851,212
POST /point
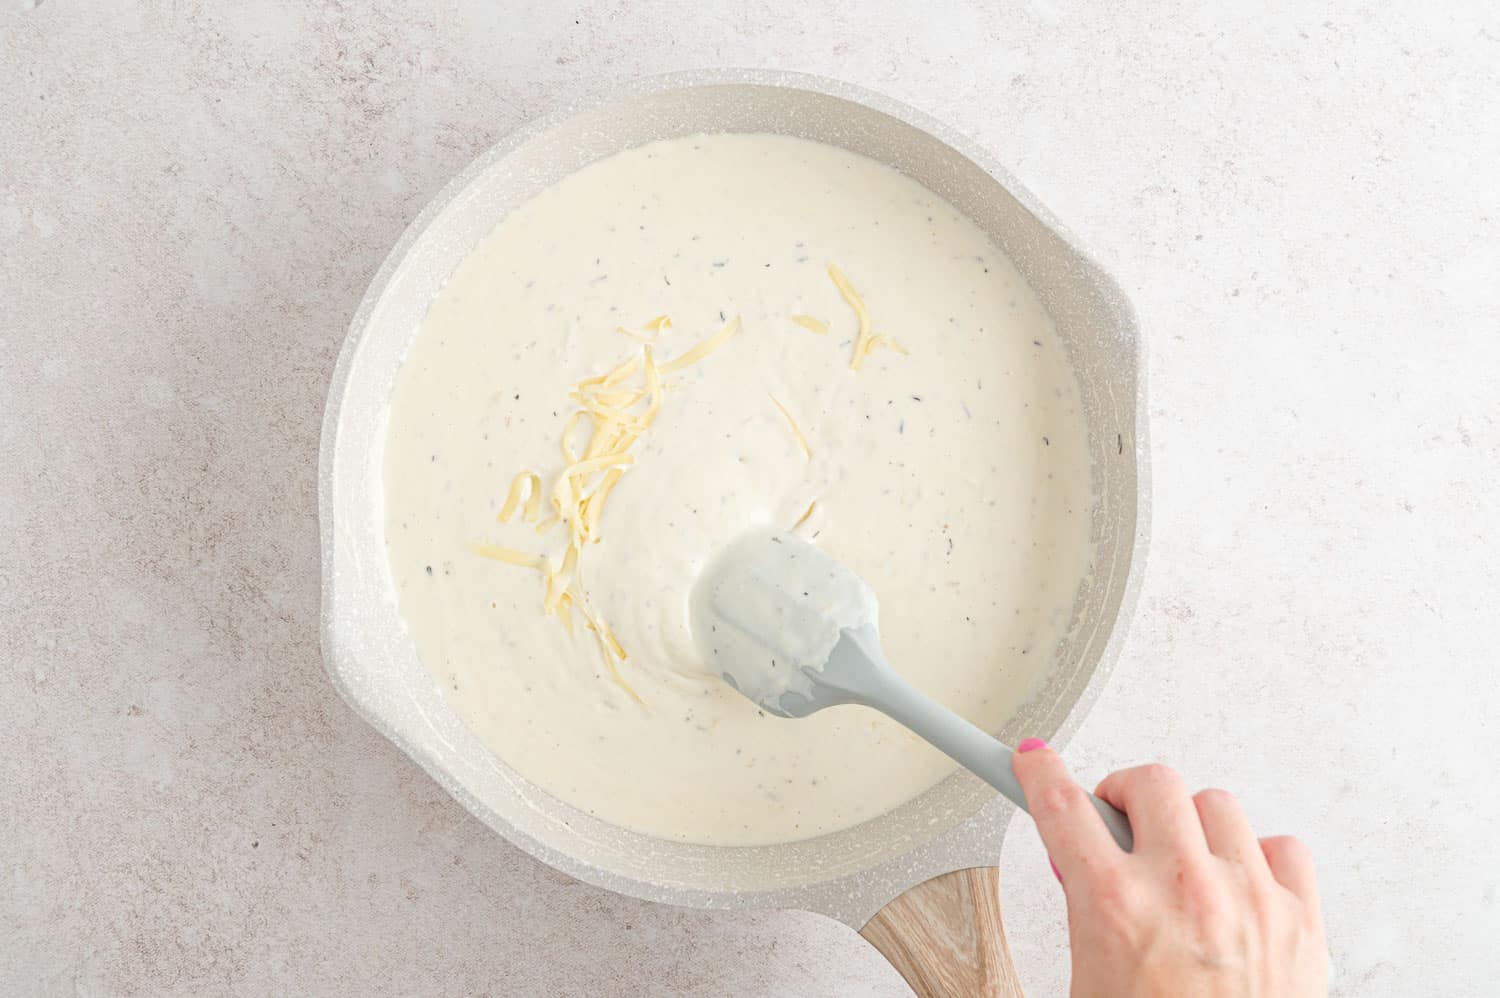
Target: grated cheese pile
x,y
620,407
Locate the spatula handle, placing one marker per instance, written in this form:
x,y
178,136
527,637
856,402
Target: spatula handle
x,y
985,756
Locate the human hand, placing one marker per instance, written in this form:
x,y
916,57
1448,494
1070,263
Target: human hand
x,y
1201,908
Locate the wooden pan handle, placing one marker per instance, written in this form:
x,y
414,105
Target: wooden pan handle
x,y
946,938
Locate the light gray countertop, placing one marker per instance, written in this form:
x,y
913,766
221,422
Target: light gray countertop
x,y
1304,205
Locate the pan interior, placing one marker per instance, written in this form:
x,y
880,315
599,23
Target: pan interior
x,y
373,661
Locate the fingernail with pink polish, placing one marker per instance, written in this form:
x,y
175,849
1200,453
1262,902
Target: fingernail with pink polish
x,y
1054,869
1031,744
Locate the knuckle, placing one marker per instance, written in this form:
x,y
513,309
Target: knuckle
x,y
1115,903
1270,900
1290,923
1111,883
1057,800
1220,937
1288,849
1157,775
1213,797
1201,885
1310,923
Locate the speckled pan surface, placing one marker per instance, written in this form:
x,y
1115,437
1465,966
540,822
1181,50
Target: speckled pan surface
x,y
848,875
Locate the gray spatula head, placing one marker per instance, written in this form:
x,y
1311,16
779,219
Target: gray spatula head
x,y
767,615
795,630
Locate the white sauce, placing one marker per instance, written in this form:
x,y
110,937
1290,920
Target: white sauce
x,y
954,480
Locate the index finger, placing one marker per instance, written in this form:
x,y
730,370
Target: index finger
x,y
1160,810
1071,829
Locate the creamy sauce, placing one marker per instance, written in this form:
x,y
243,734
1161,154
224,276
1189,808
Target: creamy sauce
x,y
954,478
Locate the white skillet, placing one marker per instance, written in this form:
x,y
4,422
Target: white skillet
x,y
919,882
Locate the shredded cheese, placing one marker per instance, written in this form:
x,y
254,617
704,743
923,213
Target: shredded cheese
x,y
510,557
594,504
703,349
656,327
653,390
614,672
609,648
606,433
619,411
622,372
569,456
614,642
525,484
589,466
807,515
879,340
860,312
796,430
809,323
614,377
598,399
865,340
558,581
565,496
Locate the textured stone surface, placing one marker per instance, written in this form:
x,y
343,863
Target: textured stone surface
x,y
1304,206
